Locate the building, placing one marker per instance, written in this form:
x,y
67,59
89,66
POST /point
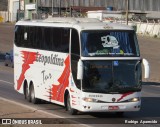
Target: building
x,y
11,10
58,6
3,5
8,10
39,8
3,10
30,8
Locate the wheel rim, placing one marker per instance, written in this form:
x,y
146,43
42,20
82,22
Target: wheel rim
x,y
27,92
32,94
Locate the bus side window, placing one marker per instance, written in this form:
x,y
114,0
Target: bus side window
x,y
46,38
39,40
52,39
65,40
17,36
34,42
57,39
75,56
25,40
20,34
30,37
75,43
42,40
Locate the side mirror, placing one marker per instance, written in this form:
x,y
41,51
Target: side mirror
x,y
146,68
80,70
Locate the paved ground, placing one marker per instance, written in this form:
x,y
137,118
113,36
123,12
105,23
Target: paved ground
x,y
150,49
10,110
6,37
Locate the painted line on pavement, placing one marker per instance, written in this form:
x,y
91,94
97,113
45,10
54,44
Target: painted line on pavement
x,y
6,82
29,107
156,86
149,94
37,110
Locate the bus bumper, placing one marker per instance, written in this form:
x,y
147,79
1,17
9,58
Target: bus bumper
x,y
111,107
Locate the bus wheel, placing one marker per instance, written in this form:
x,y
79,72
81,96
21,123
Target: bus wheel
x,y
69,109
32,94
27,93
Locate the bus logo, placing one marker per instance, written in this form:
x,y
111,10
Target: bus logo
x,y
113,99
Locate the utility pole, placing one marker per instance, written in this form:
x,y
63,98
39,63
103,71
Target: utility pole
x,y
127,8
24,8
8,9
37,7
19,5
59,8
52,7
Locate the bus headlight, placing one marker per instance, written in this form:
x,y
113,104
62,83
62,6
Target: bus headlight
x,y
135,99
90,99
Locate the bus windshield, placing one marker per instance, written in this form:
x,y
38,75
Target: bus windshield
x,y
112,76
109,43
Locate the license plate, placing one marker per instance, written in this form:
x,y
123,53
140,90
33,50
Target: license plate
x,y
113,108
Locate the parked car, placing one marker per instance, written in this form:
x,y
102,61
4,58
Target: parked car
x,y
9,59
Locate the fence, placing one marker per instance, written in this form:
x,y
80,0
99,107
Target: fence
x,y
145,27
151,28
7,17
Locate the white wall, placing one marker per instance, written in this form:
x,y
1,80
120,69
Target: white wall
x,y
4,16
13,6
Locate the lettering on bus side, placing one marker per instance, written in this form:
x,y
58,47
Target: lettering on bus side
x,y
46,76
52,59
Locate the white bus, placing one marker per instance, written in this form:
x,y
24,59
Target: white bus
x,y
80,63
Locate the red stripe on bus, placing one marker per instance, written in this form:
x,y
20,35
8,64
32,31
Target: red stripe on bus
x,y
58,90
124,95
28,58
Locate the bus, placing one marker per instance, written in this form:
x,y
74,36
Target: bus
x,y
80,63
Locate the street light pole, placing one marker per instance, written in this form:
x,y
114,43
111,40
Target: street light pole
x,y
8,9
127,8
59,8
19,5
52,7
36,6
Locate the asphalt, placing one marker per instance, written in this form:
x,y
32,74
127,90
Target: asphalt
x,y
15,111
10,109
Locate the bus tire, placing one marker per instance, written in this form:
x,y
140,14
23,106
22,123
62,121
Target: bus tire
x,y
69,108
27,93
34,100
5,64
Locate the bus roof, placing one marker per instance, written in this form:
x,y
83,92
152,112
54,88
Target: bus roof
x,y
78,23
